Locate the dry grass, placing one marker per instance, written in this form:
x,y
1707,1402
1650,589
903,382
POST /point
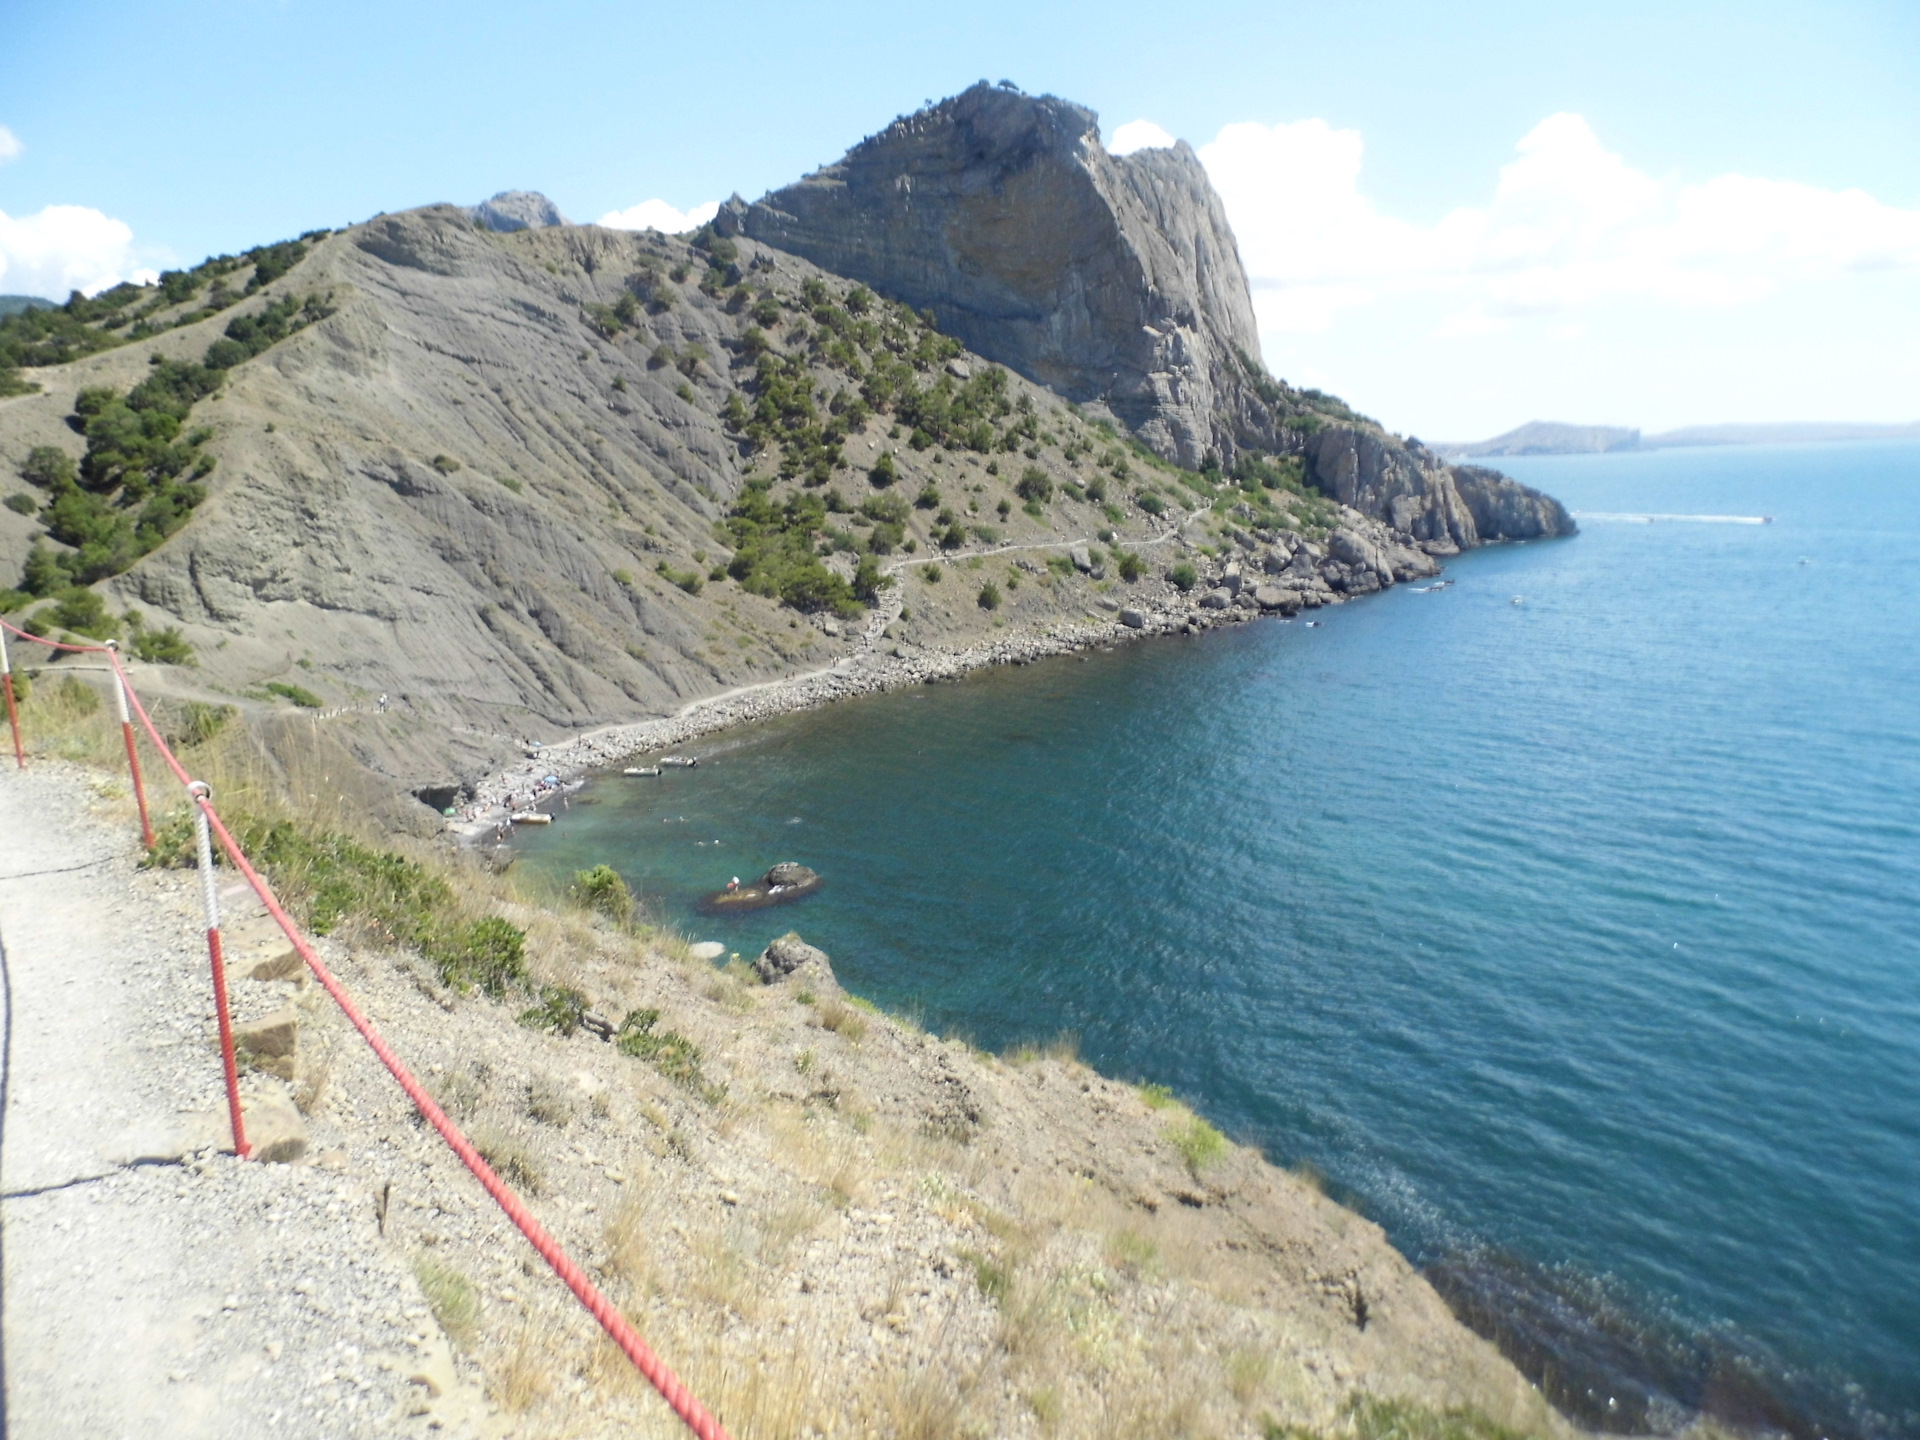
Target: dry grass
x,y
510,1157
843,1020
548,1102
525,1376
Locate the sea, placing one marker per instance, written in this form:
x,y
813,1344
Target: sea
x,y
1566,919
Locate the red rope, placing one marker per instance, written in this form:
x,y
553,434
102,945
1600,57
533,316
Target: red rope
x,y
51,644
690,1410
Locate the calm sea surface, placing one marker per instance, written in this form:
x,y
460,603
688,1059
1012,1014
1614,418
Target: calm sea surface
x,y
1576,940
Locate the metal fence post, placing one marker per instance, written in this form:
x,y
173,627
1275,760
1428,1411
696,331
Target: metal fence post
x,y
13,711
133,755
202,794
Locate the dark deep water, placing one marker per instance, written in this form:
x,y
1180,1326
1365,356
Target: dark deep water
x,y
1574,940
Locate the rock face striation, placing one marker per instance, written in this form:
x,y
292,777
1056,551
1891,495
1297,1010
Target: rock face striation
x,y
1113,280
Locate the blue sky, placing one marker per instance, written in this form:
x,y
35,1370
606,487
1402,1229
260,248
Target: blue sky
x,y
1458,217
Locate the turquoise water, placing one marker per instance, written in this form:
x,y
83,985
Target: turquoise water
x,y
1574,940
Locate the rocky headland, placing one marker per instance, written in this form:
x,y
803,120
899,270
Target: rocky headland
x,y
493,493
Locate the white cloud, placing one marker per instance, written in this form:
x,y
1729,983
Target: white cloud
x,y
1571,226
10,146
1138,135
64,248
659,215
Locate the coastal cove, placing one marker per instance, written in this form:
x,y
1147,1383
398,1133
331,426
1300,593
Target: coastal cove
x,y
1564,918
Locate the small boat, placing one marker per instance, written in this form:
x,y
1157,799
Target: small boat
x,y
680,762
641,770
531,817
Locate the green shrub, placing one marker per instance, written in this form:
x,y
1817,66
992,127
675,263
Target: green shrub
x,y
1033,485
165,646
691,581
1183,576
774,552
1199,1144
560,1010
298,694
671,1053
22,503
931,572
1151,503
330,878
445,464
200,722
601,889
885,471
489,954
85,613
1130,565
989,596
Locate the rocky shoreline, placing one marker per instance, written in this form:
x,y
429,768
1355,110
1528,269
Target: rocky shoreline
x,y
1266,573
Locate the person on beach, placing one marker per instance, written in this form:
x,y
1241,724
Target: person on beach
x,y
733,885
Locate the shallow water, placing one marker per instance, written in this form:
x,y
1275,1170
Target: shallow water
x,y
1573,939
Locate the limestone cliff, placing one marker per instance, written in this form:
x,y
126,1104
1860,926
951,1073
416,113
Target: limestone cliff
x,y
1103,277
1109,279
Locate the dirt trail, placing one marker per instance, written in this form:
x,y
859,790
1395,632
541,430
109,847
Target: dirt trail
x,y
149,1288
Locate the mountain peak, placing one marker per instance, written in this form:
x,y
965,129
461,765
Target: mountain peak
x,y
518,210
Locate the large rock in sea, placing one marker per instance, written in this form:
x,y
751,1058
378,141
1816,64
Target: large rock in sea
x,y
1111,279
789,876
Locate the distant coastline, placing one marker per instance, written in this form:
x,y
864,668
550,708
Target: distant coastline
x,y
1551,437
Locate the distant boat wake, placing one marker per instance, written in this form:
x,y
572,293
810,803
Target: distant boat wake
x,y
1632,519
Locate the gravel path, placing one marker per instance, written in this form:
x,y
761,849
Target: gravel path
x,y
150,1288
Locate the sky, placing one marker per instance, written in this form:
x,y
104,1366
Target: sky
x,y
1458,218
